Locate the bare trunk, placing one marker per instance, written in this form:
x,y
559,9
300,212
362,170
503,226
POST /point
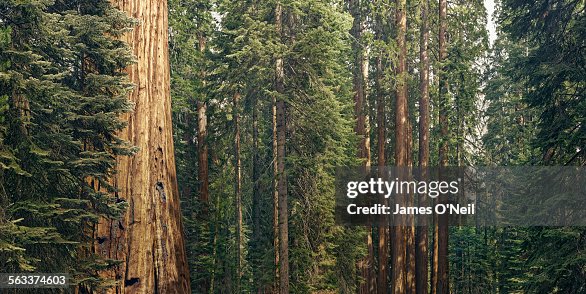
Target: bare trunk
x,y
275,195
360,78
441,277
410,201
399,248
364,265
421,262
256,211
283,211
434,253
214,248
383,230
281,174
149,239
237,191
202,146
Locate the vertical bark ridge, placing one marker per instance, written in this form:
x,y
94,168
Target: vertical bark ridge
x,y
399,248
441,277
149,240
421,262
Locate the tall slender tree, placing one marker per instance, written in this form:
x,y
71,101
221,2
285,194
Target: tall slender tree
x,y
237,190
275,167
202,133
421,262
360,78
281,126
399,248
441,285
383,229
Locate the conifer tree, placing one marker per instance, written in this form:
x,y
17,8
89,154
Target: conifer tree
x,y
62,93
190,28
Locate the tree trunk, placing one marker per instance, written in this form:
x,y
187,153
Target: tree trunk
x,y
202,146
149,239
410,201
202,158
360,78
256,196
275,195
237,190
399,249
421,262
360,75
281,174
383,230
441,276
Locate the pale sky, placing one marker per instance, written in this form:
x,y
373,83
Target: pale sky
x,y
490,25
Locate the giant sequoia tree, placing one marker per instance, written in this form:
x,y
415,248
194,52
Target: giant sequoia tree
x,y
149,240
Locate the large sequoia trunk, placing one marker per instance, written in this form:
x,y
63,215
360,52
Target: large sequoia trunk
x,y
149,238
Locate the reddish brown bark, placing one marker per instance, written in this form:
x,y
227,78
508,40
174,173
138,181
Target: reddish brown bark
x,y
399,248
441,256
421,261
360,73
383,230
149,239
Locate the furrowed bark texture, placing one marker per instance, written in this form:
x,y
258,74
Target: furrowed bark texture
x,y
399,247
149,239
421,262
383,230
441,276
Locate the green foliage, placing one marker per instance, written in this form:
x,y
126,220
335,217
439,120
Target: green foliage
x,y
61,93
552,71
189,23
240,57
534,116
511,124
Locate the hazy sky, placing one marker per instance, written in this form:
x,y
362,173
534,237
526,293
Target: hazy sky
x,y
490,25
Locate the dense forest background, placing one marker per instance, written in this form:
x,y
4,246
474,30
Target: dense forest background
x,y
267,99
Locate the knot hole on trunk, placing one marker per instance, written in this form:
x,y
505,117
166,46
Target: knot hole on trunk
x,y
161,189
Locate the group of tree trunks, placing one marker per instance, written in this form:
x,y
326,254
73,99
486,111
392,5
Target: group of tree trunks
x,y
150,239
408,244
